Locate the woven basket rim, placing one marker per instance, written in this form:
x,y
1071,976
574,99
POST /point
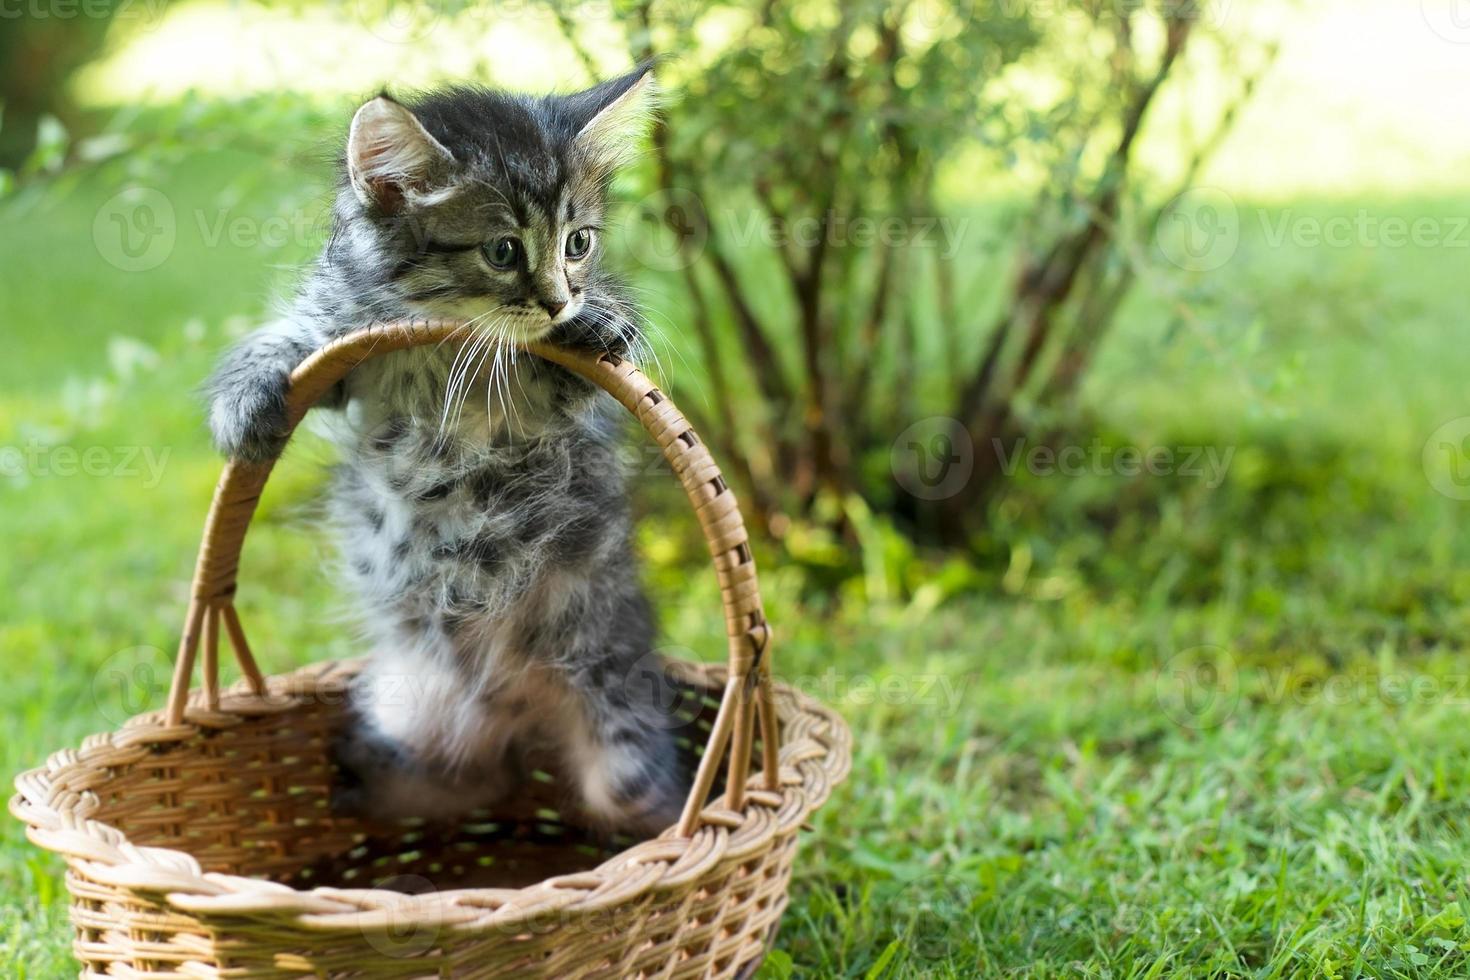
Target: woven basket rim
x,y
53,801
731,854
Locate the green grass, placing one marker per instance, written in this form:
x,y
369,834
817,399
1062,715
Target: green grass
x,y
1049,780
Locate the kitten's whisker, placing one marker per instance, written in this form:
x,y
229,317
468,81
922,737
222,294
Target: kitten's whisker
x,y
657,334
642,351
502,385
470,368
458,376
654,320
454,334
520,383
497,338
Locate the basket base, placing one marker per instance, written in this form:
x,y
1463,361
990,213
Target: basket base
x,y
482,852
245,792
534,835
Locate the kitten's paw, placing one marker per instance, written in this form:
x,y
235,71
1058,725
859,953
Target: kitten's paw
x,y
639,792
249,420
359,764
377,779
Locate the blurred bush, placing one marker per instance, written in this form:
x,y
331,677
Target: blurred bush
x,y
901,232
38,55
855,332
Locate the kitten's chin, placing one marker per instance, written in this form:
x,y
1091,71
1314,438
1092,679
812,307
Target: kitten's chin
x,y
524,331
499,322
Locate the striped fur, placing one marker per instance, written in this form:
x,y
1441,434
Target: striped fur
x,y
480,505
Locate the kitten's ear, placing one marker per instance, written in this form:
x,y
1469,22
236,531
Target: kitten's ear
x,y
621,112
391,156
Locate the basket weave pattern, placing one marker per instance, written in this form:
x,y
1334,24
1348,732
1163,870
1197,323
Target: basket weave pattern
x,y
199,842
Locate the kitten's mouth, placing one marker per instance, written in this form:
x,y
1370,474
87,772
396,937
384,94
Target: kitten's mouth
x,y
525,329
530,326
518,326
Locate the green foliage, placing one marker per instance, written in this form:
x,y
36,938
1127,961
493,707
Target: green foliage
x,y
41,46
1026,799
837,290
1032,795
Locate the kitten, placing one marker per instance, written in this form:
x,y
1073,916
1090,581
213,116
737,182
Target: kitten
x,y
479,506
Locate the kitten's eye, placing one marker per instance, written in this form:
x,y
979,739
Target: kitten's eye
x,y
579,243
503,253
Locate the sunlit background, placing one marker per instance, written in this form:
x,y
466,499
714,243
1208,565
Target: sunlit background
x,y
1368,96
1201,719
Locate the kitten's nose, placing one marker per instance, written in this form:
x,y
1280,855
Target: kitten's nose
x,y
553,306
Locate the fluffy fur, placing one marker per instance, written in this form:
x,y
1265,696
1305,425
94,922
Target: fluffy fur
x,y
480,504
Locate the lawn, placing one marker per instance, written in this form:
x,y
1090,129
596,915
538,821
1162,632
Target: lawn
x,y
1156,727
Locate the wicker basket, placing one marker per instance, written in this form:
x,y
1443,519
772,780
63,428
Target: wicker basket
x,y
199,842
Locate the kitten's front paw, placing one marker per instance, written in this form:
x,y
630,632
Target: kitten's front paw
x,y
377,779
249,419
636,789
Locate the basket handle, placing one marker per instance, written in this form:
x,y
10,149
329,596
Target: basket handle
x,y
748,688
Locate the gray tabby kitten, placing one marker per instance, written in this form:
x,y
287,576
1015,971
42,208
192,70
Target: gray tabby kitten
x,y
480,507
